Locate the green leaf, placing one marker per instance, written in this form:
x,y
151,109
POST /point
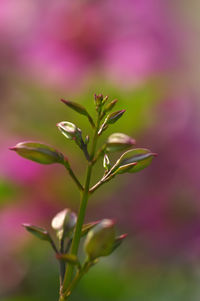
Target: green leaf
x,y
110,119
38,232
38,152
143,157
79,108
100,239
87,227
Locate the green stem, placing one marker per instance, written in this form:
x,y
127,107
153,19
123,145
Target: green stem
x,y
77,278
105,179
82,210
67,166
62,263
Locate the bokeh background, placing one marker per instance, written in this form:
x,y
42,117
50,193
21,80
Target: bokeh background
x,y
146,54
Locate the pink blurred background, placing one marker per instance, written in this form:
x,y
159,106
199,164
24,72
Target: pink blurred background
x,y
146,54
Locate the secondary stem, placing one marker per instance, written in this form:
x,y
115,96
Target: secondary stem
x,y
81,215
67,166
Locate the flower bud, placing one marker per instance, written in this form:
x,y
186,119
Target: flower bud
x,y
68,129
38,152
79,108
110,119
98,99
75,106
113,117
110,106
138,158
64,222
119,142
99,241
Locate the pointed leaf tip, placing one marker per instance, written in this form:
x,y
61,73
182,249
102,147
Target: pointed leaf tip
x,y
12,148
87,227
118,241
37,231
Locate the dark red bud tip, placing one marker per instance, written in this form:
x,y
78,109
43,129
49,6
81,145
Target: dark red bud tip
x,y
123,111
123,236
12,148
155,154
64,101
57,124
58,255
66,159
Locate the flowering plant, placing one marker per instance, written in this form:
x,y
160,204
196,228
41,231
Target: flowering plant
x,y
101,239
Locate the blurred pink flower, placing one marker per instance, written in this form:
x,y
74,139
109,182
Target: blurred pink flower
x,y
61,43
15,168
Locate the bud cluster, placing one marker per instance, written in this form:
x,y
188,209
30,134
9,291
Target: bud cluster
x,y
100,236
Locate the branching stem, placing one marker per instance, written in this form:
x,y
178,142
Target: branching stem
x,y
81,215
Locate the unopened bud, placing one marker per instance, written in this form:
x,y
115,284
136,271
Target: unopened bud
x,y
99,241
110,119
78,108
38,152
105,99
110,106
98,99
68,129
118,142
138,158
64,222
